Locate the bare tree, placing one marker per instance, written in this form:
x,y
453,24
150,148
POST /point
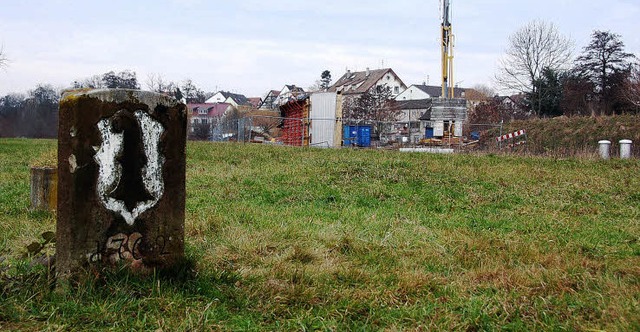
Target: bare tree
x,y
372,108
480,92
93,82
155,82
631,90
3,58
532,49
191,92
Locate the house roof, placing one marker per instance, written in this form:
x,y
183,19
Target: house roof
x,y
435,91
294,88
360,81
255,101
426,116
238,98
213,109
269,99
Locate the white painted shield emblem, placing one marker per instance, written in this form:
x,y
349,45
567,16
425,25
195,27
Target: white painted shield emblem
x,y
111,170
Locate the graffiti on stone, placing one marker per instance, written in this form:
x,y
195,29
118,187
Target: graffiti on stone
x,y
130,164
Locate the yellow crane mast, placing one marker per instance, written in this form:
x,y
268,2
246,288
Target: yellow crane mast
x,y
447,51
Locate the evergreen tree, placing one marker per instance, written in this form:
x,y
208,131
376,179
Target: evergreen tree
x,y
605,63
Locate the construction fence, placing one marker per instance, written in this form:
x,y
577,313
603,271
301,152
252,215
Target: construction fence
x,y
336,132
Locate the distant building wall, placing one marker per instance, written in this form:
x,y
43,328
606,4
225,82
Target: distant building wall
x,y
413,93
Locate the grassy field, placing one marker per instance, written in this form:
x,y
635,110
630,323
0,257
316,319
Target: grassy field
x,y
308,239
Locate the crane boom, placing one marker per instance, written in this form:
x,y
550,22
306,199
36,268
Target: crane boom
x,y
447,51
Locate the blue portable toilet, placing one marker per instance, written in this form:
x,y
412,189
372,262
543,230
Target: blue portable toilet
x,y
364,136
356,135
349,134
428,133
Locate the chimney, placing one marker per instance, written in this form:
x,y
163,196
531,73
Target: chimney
x,y
368,72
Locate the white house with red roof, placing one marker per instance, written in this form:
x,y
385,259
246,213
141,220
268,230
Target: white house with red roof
x,y
207,113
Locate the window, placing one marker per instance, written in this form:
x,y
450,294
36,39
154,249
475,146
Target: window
x,y
396,89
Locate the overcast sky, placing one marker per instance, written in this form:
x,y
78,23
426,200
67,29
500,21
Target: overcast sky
x,y
251,46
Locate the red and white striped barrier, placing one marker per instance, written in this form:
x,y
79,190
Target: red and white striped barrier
x,y
511,135
516,144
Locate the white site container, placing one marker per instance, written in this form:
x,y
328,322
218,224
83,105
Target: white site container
x,y
603,149
625,149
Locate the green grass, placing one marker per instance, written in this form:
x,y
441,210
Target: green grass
x,y
309,239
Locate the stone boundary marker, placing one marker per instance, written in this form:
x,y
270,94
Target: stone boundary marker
x,y
121,180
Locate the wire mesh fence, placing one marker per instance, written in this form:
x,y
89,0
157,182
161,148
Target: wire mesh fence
x,y
349,133
338,132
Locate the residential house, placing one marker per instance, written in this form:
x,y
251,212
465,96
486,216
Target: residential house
x,y
438,117
423,91
408,128
512,107
269,100
423,115
234,99
352,85
255,101
356,83
289,92
514,102
208,115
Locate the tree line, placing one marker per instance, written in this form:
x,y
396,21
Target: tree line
x,y
35,114
603,79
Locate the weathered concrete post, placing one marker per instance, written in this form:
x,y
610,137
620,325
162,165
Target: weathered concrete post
x,y
625,148
44,188
121,180
603,149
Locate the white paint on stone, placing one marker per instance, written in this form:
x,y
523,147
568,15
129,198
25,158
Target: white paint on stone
x,y
73,164
152,172
110,171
